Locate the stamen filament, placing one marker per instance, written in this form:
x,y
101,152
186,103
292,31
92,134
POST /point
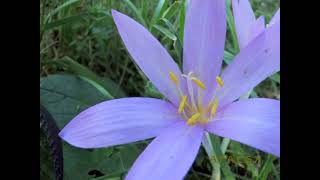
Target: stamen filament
x,y
220,83
193,119
190,89
182,104
200,98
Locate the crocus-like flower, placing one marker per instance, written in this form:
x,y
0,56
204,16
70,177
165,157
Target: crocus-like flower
x,y
199,99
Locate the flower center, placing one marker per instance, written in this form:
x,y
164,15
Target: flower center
x,y
191,106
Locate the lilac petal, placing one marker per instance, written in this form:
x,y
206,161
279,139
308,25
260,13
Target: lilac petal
x,y
204,39
254,63
243,18
275,18
170,155
255,122
256,28
119,121
149,54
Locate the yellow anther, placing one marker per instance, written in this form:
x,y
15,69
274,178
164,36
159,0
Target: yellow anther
x,y
174,78
219,81
214,108
182,103
193,119
199,83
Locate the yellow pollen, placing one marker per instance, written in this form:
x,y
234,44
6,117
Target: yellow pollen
x,y
199,83
219,81
174,78
182,103
193,119
214,108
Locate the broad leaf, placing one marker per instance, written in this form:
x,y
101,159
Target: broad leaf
x,y
65,96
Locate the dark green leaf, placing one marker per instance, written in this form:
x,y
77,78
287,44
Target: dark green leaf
x,y
106,86
65,96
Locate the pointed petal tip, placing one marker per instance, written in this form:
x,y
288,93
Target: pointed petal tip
x,y
114,12
119,121
64,135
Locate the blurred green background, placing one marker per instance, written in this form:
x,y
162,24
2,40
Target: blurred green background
x,y
83,61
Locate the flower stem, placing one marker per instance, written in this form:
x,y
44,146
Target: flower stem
x,y
224,145
214,159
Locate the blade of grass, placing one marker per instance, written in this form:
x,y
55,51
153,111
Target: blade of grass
x,y
166,32
228,57
276,77
158,12
97,86
224,145
136,12
231,26
220,164
182,19
177,44
52,13
62,6
267,167
275,172
172,10
70,19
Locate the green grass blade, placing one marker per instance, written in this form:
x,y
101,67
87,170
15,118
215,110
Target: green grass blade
x,y
231,25
267,167
276,77
177,44
217,158
66,20
158,12
228,57
275,172
62,6
52,13
136,12
172,10
183,10
97,86
166,32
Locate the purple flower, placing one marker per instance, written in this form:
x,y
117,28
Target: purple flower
x,y
199,99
